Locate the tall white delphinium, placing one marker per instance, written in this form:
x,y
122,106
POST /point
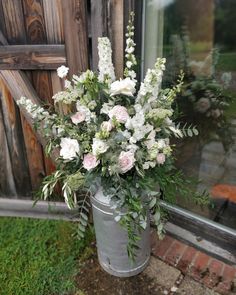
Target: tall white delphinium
x,y
150,88
105,65
130,59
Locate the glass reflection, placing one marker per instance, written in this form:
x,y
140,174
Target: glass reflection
x,y
198,37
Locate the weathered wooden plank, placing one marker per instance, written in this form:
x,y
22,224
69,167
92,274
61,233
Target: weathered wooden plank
x,y
7,184
15,142
76,37
54,21
13,15
98,25
34,21
55,33
2,21
116,25
26,57
41,80
19,30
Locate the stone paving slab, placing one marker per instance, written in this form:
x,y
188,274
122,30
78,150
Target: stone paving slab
x,y
163,274
190,287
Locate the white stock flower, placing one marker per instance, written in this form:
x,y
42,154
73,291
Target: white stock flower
x,y
150,139
136,121
99,146
120,113
125,86
126,161
106,107
69,148
105,65
62,71
152,81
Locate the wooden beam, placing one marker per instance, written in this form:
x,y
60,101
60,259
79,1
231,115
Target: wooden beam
x,y
32,57
76,36
98,25
116,34
15,142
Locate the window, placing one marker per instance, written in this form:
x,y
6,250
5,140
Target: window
x,y
199,38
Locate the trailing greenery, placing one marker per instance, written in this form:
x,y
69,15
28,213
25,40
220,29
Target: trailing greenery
x,y
39,257
115,138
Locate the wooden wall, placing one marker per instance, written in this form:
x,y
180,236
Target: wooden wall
x,y
36,36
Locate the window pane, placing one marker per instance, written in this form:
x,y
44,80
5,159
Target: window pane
x,y
199,38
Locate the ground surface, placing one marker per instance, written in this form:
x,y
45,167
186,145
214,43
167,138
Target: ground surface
x,y
40,257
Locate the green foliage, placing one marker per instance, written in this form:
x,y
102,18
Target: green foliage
x,y
39,257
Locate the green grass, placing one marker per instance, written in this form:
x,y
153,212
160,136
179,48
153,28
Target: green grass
x,y
38,257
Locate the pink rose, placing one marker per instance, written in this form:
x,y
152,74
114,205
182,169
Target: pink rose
x,y
126,161
106,126
120,113
90,161
78,117
161,158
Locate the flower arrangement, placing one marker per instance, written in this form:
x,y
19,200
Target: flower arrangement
x,y
116,137
204,98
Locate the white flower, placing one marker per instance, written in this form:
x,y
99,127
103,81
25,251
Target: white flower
x,y
132,147
150,139
99,147
106,107
83,112
125,86
161,158
149,164
129,64
105,65
136,121
78,117
226,78
67,84
215,113
161,144
62,71
106,126
202,105
126,161
69,148
90,161
120,113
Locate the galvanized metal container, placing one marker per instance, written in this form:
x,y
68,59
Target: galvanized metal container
x,y
112,241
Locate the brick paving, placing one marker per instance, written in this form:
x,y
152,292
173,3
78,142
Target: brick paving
x,y
206,272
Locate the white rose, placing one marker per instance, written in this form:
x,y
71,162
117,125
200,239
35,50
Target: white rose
x,y
120,113
106,126
78,118
69,148
126,161
84,112
99,146
161,158
62,71
126,87
90,161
